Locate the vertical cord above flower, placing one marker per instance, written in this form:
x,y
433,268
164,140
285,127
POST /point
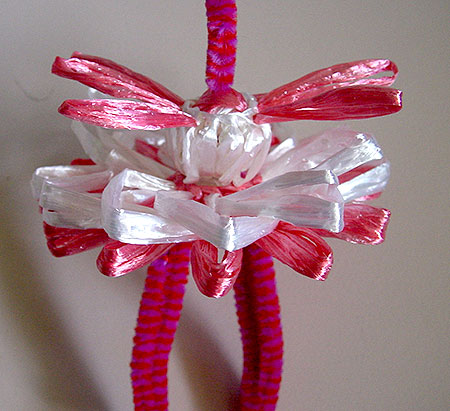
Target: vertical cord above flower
x,y
222,41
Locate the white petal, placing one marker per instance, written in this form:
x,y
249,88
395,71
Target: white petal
x,y
136,224
79,178
371,182
106,149
229,233
361,150
71,209
303,198
337,149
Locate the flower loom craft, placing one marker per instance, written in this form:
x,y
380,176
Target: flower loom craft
x,y
171,182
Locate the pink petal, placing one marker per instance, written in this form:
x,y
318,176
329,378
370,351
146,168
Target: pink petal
x,y
68,241
346,103
112,78
118,258
127,114
212,278
300,248
211,101
363,224
339,75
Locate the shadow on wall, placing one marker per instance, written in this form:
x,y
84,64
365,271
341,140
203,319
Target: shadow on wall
x,y
63,380
213,382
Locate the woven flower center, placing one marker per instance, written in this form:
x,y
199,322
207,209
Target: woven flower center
x,y
225,147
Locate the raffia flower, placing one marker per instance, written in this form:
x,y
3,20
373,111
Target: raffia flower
x,y
211,172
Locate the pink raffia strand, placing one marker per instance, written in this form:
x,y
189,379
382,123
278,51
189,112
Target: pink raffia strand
x,y
159,313
118,258
259,319
68,241
211,101
340,92
126,114
214,279
363,224
111,78
157,107
300,248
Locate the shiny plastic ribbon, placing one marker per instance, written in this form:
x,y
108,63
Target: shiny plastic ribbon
x,y
142,209
341,92
213,278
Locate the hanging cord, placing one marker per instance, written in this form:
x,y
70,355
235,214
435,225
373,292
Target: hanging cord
x,y
259,319
222,41
158,317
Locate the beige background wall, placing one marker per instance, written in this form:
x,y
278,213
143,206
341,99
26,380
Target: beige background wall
x,y
372,337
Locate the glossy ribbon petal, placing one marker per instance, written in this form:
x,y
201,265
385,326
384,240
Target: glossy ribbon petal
x,y
136,224
126,114
69,241
229,233
117,258
112,78
299,248
336,149
106,148
347,103
364,224
71,209
366,184
78,178
362,150
339,75
214,279
303,198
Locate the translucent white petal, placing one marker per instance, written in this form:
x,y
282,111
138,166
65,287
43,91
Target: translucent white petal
x,y
136,224
229,233
92,145
66,208
136,179
337,149
279,150
371,182
361,150
304,198
80,178
105,148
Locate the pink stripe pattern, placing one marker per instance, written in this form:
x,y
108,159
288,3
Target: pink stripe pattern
x,y
259,319
158,317
222,41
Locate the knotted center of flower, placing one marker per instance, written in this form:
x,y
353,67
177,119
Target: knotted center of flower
x,y
225,148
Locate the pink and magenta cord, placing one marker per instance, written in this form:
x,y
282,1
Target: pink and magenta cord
x,y
259,320
158,317
257,303
222,41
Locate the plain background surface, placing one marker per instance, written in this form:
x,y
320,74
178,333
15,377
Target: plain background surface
x,y
374,336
